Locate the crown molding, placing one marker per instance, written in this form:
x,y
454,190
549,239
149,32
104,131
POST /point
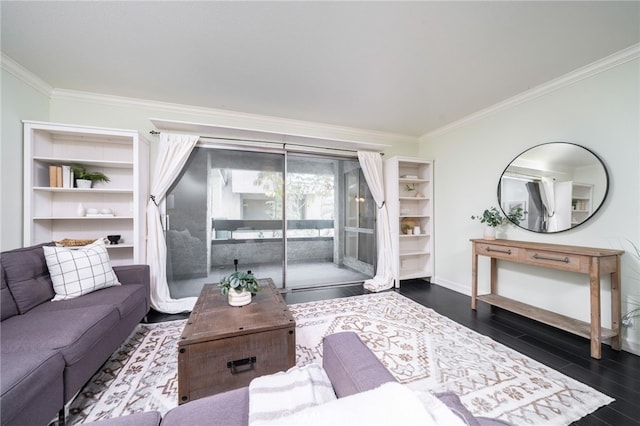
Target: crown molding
x,y
239,120
623,56
26,76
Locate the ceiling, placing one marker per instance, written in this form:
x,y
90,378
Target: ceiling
x,y
399,67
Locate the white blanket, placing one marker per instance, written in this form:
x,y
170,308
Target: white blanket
x,y
389,404
277,395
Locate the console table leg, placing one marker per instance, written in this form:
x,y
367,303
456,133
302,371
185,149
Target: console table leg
x,y
616,309
474,279
594,284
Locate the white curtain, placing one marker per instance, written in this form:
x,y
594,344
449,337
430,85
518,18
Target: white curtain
x,y
547,186
173,154
371,163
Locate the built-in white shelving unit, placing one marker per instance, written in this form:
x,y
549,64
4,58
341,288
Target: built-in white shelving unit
x,y
581,202
51,213
409,196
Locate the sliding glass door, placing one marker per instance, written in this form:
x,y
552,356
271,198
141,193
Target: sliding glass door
x,y
301,220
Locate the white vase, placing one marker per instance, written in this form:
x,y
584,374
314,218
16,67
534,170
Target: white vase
x,y
80,210
83,183
489,233
239,299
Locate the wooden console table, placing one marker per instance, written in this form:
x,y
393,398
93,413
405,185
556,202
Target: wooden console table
x,y
586,260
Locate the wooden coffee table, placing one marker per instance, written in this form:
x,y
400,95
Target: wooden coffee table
x,y
224,347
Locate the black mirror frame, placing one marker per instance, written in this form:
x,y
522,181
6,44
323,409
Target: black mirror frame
x,y
595,211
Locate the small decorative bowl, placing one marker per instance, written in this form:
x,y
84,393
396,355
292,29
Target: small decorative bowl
x,y
113,238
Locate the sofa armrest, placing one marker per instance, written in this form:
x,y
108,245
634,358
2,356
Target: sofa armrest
x,y
351,366
135,274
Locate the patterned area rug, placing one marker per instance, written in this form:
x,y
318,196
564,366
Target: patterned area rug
x,y
427,351
142,375
421,348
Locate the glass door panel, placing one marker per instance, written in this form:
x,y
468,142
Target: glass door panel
x,y
222,217
360,241
316,223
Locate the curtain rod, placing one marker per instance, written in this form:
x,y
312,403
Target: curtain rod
x,y
284,144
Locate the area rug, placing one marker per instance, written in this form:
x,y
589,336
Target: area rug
x,y
142,375
427,351
422,349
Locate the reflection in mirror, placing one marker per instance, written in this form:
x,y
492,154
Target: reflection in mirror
x,y
559,185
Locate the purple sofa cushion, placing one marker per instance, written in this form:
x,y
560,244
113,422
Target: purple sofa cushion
x,y
452,401
74,332
351,366
149,418
228,408
125,298
8,307
28,377
25,271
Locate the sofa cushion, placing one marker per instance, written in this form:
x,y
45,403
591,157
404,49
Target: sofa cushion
x,y
148,418
25,271
75,272
125,298
227,408
350,365
31,381
74,332
8,307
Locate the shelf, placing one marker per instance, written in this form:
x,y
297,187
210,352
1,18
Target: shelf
x,y
107,245
85,162
413,253
407,274
413,235
562,322
412,180
413,198
83,218
85,190
413,216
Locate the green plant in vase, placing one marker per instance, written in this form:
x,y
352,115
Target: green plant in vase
x,y
491,217
83,175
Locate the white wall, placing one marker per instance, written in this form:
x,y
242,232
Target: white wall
x,y
20,101
602,113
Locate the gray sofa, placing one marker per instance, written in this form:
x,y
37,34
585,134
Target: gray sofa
x,y
49,350
349,364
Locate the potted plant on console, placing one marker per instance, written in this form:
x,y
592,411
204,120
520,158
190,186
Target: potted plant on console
x,y
84,178
238,287
492,218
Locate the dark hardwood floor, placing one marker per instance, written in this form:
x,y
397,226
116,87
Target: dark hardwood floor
x,y
617,374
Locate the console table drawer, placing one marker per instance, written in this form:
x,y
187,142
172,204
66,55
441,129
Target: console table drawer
x,y
557,260
498,251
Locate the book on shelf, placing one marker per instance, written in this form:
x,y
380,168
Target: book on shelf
x,y
53,176
60,177
67,177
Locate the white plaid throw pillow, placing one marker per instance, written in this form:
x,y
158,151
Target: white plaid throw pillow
x,y
75,272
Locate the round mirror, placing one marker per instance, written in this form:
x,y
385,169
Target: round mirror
x,y
553,187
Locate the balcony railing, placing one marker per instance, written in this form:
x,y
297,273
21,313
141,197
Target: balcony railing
x,y
225,229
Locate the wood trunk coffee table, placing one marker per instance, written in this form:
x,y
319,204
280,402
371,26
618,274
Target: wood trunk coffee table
x,y
224,347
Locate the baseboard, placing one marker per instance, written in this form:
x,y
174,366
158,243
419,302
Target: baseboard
x,y
452,285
